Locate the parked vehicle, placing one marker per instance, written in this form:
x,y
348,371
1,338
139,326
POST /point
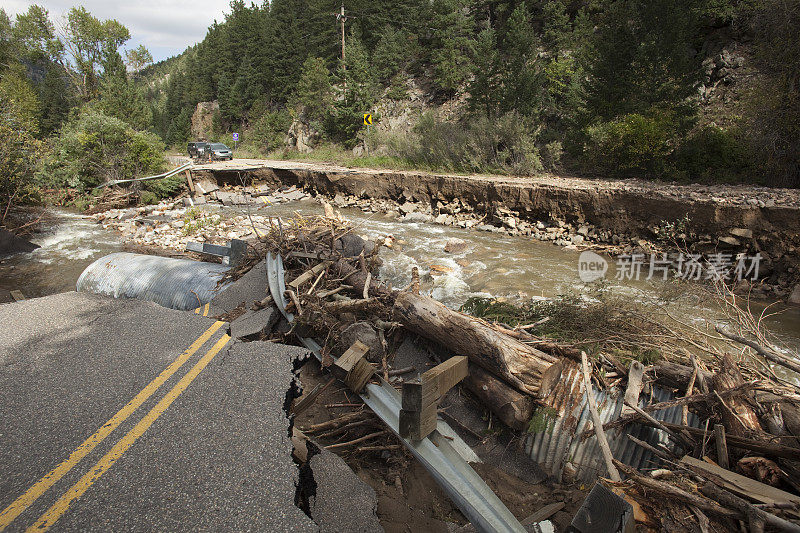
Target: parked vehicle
x,y
198,150
220,152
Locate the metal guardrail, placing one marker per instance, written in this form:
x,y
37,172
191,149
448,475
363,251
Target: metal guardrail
x,y
163,175
444,454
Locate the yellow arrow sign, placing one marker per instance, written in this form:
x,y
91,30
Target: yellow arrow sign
x,y
367,119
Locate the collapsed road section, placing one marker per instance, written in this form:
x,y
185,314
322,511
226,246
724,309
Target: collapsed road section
x,y
124,415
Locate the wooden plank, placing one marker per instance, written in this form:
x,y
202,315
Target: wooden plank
x,y
722,446
634,387
189,181
359,375
447,374
544,513
353,354
309,274
417,396
17,295
742,485
308,400
434,383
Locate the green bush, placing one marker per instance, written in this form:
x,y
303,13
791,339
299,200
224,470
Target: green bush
x,y
633,145
713,154
478,144
94,148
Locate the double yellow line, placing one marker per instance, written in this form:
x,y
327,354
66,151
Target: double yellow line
x,y
203,310
10,513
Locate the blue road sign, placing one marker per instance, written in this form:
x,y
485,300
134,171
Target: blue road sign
x,y
235,136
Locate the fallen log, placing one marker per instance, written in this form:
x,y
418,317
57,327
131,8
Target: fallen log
x,y
358,279
513,408
677,376
522,366
739,417
756,517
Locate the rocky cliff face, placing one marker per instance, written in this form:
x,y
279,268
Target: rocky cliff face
x,y
203,120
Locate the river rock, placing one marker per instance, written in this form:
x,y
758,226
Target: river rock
x,y
741,232
455,246
577,239
11,244
730,241
794,297
415,217
439,269
407,208
351,245
364,332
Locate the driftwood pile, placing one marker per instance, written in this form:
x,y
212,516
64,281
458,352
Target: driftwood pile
x,y
739,471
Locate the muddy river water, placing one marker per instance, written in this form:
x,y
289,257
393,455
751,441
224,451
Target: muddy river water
x,y
492,264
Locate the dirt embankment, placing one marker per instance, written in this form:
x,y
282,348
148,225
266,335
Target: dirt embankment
x,y
729,219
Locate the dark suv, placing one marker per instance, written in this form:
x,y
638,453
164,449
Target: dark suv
x,y
198,150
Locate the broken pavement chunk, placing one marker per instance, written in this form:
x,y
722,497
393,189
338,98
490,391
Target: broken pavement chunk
x,y
342,502
253,322
249,288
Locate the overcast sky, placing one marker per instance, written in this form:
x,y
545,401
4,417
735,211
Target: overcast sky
x,y
165,27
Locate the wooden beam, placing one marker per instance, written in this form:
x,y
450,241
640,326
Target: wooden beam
x,y
739,484
309,274
353,368
17,295
434,383
634,386
722,445
349,358
189,181
421,398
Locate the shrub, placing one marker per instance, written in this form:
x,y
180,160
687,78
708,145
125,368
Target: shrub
x,y
631,145
551,155
19,154
475,145
94,148
713,154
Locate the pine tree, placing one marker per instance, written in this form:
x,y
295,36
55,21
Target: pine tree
x,y
119,97
313,96
452,45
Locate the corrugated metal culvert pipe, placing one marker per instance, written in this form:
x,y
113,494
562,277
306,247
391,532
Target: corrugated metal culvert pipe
x,y
555,436
175,283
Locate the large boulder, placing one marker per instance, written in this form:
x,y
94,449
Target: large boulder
x,y
302,137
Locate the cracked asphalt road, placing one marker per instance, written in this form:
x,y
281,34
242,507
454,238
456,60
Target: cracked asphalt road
x,y
207,449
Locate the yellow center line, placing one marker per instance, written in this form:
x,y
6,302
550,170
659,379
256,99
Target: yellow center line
x,y
197,311
32,494
206,309
78,489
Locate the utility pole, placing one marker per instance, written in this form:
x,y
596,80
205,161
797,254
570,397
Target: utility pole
x,y
342,18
